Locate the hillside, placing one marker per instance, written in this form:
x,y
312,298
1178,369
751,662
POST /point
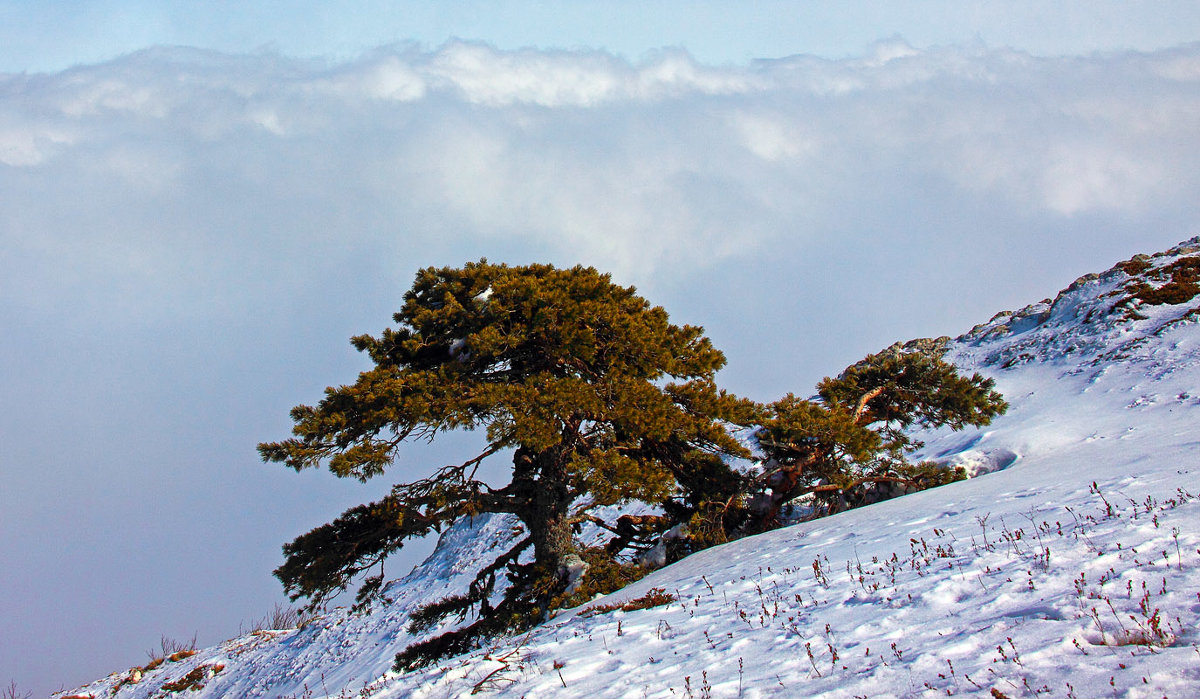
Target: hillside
x,y
1066,567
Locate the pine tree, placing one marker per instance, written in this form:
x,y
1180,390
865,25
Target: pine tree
x,y
850,442
589,391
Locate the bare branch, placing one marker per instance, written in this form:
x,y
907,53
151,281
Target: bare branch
x,y
863,400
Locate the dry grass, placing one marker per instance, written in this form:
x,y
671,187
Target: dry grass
x,y
194,680
656,597
280,618
171,650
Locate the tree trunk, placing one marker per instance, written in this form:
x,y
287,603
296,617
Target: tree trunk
x,y
541,480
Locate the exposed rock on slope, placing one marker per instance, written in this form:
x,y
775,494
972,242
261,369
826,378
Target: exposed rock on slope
x,y
1098,319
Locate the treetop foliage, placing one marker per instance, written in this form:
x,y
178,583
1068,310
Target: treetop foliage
x,y
898,388
521,351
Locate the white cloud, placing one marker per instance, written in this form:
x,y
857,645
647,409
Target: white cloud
x,y
648,168
658,170
30,144
483,75
773,137
1086,178
383,77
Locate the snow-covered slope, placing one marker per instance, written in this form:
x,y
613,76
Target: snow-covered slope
x,y
1069,569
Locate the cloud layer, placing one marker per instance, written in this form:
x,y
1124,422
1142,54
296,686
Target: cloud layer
x,y
188,238
639,168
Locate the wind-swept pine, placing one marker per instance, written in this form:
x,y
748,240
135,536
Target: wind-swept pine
x,y
850,443
590,393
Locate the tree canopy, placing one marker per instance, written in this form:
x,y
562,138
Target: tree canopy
x,y
590,393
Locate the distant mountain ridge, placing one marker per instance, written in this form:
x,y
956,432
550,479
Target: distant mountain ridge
x,y
1096,377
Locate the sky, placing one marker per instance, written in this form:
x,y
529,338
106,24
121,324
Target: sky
x,y
40,36
201,203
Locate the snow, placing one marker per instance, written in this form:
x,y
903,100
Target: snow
x,y
1066,568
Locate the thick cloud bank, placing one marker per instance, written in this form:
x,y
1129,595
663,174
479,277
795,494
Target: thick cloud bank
x,y
188,238
643,168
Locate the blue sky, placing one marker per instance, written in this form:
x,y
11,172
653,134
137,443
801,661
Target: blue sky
x,y
191,233
41,36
